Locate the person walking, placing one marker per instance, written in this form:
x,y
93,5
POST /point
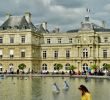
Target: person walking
x,y
85,93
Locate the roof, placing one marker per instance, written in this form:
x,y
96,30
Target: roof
x,y
91,26
97,28
18,22
72,31
101,30
40,29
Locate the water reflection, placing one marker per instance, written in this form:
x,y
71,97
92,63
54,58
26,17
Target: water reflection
x,y
40,88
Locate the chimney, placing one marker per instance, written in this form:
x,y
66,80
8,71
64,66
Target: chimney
x,y
28,16
57,30
44,25
103,24
8,15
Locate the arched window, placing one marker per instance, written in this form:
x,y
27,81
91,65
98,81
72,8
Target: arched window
x,y
67,66
104,64
44,66
11,65
1,67
54,66
85,66
11,69
85,53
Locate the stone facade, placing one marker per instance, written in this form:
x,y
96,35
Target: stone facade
x,y
17,46
41,50
85,49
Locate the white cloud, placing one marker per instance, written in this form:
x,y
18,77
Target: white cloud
x,y
107,7
62,13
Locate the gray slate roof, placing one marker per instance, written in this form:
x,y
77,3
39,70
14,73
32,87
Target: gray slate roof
x,y
18,22
95,27
40,29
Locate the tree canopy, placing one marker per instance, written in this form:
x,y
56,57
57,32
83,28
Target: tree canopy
x,y
22,66
106,66
94,66
72,67
58,66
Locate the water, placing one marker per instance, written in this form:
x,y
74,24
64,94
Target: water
x,y
40,88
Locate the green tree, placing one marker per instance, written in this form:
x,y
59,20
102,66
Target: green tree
x,y
72,67
22,66
94,67
107,67
58,66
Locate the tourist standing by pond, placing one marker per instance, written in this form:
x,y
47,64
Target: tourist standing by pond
x,y
85,93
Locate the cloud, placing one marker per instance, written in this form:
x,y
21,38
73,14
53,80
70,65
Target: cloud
x,y
107,8
68,3
63,13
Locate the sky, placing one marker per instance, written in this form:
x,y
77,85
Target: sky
x,y
63,14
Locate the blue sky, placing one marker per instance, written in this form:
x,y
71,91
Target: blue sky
x,y
65,14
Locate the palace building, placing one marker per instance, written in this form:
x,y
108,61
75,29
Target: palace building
x,y
23,42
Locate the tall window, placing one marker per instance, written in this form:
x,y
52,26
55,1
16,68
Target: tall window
x,y
1,67
78,40
1,39
56,54
70,40
44,54
1,54
11,39
85,67
104,53
85,53
67,66
106,39
67,54
48,41
59,40
22,39
23,53
11,67
44,67
11,53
